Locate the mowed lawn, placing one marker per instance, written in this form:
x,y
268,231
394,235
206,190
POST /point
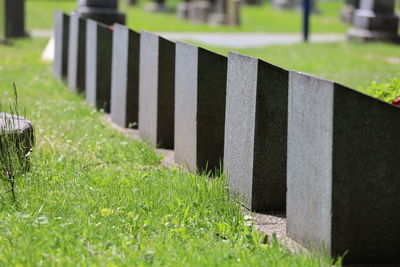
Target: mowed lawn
x,y
254,19
95,197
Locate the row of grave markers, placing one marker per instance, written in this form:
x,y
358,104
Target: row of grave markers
x,y
326,154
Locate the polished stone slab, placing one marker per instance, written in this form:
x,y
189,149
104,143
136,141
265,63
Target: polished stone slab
x,y
98,64
61,35
125,77
156,90
342,171
77,54
256,132
200,93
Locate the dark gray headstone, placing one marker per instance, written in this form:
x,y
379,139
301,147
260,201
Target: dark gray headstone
x,y
12,19
61,35
200,92
104,11
375,20
125,76
342,171
156,90
256,132
98,64
77,54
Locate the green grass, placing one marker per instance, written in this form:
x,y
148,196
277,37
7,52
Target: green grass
x,y
254,19
352,64
94,197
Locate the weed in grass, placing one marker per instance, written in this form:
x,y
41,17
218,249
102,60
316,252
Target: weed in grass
x,y
385,91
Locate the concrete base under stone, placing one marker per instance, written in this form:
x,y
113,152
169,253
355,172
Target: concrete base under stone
x,y
372,36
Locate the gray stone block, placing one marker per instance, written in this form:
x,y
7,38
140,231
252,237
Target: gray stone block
x,y
77,54
182,10
200,93
61,35
156,90
98,64
375,21
199,11
342,171
256,132
12,19
125,76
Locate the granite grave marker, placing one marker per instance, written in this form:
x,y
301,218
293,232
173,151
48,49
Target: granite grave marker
x,y
125,76
61,35
156,90
375,20
200,91
98,64
77,53
342,171
256,132
14,18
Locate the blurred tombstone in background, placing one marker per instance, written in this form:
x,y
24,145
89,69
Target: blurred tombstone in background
x,y
132,2
12,19
218,12
347,12
375,20
182,10
199,11
233,13
285,4
295,5
157,6
104,11
219,16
